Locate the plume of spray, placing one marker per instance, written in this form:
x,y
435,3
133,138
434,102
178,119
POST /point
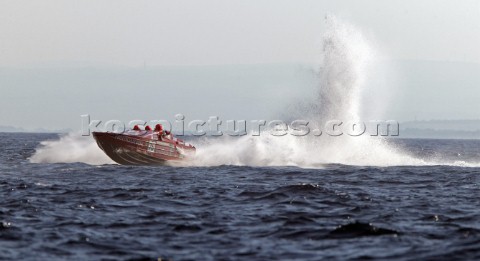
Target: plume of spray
x,y
343,72
346,56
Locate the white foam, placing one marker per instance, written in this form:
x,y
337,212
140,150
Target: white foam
x,y
70,148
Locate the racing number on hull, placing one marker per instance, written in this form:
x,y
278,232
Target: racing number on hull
x,y
151,147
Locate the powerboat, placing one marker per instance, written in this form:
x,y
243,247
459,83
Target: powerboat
x,y
144,147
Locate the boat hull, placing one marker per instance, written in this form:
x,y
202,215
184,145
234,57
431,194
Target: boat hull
x,y
144,149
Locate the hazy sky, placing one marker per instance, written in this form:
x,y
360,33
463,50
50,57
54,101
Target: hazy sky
x,y
227,32
61,59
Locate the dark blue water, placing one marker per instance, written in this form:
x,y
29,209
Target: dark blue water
x,y
82,212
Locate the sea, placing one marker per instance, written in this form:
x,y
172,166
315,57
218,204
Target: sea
x,y
83,211
254,197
